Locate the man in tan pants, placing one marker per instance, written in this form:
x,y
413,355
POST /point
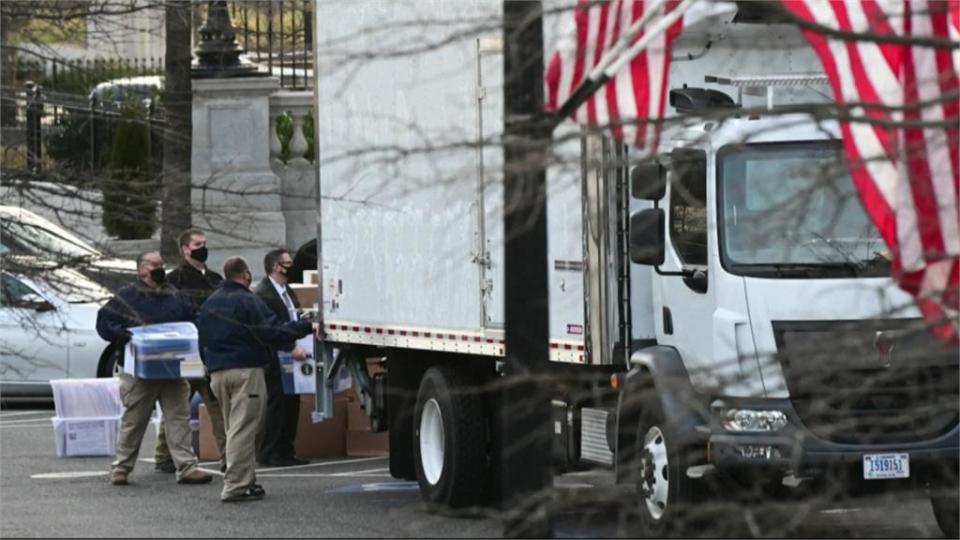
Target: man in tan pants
x,y
237,331
149,300
138,396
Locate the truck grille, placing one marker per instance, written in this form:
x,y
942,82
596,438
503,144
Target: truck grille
x,y
870,382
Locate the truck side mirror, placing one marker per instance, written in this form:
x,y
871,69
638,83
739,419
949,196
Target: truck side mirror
x,y
648,181
647,236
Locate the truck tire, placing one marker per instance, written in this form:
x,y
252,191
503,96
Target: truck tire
x,y
658,470
403,380
946,508
450,439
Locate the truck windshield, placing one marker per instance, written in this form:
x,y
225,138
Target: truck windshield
x,y
791,210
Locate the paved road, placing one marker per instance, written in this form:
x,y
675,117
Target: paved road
x,y
43,496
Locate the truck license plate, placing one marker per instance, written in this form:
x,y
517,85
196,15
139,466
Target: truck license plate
x,y
885,466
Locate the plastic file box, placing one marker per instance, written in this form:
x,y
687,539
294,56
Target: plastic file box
x,y
86,436
164,351
86,398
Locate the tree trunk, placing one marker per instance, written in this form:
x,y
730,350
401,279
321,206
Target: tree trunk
x,y
177,136
8,65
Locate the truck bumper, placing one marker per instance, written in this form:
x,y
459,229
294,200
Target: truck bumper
x,y
797,451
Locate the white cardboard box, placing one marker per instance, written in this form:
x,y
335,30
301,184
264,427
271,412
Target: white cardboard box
x,y
86,436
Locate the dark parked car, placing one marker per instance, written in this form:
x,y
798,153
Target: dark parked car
x,y
109,95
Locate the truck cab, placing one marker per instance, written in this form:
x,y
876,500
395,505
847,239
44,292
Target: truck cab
x,y
783,353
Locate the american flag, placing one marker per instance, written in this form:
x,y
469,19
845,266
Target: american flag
x,y
903,151
901,139
634,91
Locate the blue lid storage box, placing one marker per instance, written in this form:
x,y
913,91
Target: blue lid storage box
x,y
164,351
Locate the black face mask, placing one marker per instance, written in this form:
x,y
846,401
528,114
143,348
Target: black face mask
x,y
158,276
284,269
199,254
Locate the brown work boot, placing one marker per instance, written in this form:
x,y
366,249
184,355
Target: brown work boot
x,y
118,478
196,477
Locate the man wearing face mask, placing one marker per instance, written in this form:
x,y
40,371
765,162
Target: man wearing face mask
x,y
196,282
238,334
150,300
283,410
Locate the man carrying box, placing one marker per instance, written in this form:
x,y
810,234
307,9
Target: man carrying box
x,y
237,334
150,300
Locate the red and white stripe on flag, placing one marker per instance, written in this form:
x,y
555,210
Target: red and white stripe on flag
x,y
632,100
901,139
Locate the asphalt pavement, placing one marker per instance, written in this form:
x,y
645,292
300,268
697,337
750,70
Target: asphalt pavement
x,y
45,496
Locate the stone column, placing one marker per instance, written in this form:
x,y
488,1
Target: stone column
x,y
236,195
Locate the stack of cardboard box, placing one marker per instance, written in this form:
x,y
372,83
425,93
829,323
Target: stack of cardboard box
x,y
321,440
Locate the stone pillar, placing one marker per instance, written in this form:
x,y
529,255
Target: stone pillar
x,y
236,195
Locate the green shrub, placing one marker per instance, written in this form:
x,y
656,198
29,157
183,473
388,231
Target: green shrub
x,y
130,193
284,129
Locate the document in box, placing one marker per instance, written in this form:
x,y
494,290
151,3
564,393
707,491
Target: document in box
x,y
192,368
305,373
87,438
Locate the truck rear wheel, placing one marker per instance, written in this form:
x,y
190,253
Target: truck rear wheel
x,y
450,438
946,508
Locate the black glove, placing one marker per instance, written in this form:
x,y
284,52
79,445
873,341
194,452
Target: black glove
x,y
125,336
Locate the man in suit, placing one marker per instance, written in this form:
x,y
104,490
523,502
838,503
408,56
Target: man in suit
x,y
283,410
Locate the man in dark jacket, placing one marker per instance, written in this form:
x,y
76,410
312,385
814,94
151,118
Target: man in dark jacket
x,y
150,300
283,410
196,282
237,335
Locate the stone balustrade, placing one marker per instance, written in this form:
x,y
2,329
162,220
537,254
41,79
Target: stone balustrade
x,y
296,173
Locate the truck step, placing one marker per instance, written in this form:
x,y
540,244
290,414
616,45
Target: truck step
x,y
593,441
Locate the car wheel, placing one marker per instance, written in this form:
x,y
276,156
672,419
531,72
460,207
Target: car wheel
x,y
111,362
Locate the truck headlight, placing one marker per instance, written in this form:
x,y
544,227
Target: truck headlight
x,y
752,420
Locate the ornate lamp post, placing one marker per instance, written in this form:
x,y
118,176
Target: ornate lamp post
x,y
218,54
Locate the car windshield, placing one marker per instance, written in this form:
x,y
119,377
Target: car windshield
x,y
71,286
24,237
794,207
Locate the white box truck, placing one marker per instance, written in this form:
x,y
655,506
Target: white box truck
x,y
734,289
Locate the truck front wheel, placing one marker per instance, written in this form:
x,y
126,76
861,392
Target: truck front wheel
x,y
450,438
658,470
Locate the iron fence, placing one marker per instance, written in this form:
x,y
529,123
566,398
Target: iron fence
x,y
79,76
278,35
73,131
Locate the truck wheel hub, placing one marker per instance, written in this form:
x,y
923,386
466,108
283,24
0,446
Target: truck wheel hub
x,y
655,481
431,441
